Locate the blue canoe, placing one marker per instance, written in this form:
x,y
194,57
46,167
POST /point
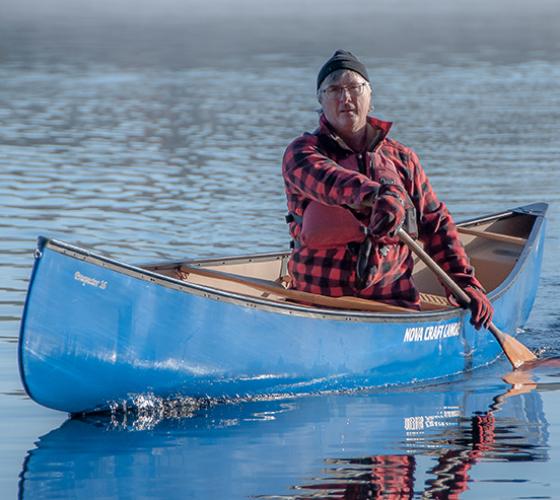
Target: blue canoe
x,y
97,333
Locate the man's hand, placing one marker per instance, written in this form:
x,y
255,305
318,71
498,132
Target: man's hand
x,y
388,212
481,308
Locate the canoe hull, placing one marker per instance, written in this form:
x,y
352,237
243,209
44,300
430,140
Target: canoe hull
x,y
95,334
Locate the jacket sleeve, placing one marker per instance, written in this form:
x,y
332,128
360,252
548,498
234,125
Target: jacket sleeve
x,y
310,173
437,230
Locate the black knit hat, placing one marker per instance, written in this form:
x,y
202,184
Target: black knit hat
x,y
341,59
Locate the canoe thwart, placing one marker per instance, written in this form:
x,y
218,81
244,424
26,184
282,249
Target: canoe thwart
x,y
504,238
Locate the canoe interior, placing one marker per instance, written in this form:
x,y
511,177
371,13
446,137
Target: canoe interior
x,y
493,244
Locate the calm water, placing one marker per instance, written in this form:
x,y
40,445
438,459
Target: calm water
x,y
156,134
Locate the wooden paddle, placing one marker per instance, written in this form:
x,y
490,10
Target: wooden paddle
x,y
515,351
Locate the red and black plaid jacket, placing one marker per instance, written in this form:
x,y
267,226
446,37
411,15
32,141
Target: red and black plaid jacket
x,y
319,166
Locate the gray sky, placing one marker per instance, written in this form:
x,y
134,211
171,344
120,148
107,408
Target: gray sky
x,y
189,9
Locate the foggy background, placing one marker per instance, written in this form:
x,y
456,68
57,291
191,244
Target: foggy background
x,y
192,32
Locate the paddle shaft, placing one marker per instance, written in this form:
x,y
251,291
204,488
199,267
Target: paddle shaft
x,y
516,352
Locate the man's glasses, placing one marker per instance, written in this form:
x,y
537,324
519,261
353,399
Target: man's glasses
x,y
335,91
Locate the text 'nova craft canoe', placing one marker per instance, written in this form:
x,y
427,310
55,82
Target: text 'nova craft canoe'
x,y
97,332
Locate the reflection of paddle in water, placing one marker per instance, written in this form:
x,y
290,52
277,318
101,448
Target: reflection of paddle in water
x,y
523,380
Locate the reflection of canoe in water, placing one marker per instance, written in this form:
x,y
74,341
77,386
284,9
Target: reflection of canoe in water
x,y
96,331
265,447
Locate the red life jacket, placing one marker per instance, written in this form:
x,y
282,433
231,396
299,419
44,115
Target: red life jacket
x,y
324,226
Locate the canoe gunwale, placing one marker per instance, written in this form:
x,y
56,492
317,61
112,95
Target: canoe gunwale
x,y
241,299
291,308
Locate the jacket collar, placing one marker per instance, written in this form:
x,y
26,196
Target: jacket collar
x,y
381,127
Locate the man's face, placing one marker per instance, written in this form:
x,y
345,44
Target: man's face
x,y
345,102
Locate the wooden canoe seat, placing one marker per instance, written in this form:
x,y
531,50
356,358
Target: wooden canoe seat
x,y
430,301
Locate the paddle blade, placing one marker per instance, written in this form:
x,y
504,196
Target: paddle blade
x,y
515,351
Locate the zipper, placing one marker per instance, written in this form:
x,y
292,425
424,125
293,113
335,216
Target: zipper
x,y
362,167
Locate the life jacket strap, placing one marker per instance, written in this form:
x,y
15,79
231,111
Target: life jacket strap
x,y
298,219
291,217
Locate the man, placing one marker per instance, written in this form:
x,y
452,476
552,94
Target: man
x,y
349,188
